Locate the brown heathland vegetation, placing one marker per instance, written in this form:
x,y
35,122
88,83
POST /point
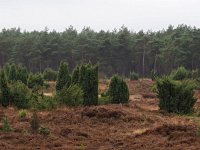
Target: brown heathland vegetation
x,y
136,125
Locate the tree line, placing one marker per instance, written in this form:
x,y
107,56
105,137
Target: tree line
x,y
119,51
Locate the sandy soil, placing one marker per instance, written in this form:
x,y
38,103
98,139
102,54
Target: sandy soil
x,y
137,125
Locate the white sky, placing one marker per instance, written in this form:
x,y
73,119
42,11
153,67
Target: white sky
x,y
98,14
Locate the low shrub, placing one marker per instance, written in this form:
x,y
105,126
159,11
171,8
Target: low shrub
x,y
118,90
22,114
45,103
180,74
20,95
174,96
44,131
50,75
103,100
71,96
35,80
134,76
6,125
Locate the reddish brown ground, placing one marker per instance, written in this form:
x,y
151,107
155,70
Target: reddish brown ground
x,y
137,125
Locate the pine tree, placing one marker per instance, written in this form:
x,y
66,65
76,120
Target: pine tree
x,y
64,78
5,94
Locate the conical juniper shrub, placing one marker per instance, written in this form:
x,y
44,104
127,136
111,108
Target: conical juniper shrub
x,y
75,75
64,78
88,80
118,90
5,92
22,74
175,96
12,76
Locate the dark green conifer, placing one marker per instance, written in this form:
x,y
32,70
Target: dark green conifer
x,y
5,94
64,78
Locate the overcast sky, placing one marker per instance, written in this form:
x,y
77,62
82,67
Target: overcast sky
x,y
98,14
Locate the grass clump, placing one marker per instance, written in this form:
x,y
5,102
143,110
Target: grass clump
x,y
6,125
22,114
45,131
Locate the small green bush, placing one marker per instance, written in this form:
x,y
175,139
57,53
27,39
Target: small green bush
x,y
134,76
174,96
6,125
44,131
180,74
71,96
45,103
35,80
50,75
20,95
103,100
118,90
22,114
